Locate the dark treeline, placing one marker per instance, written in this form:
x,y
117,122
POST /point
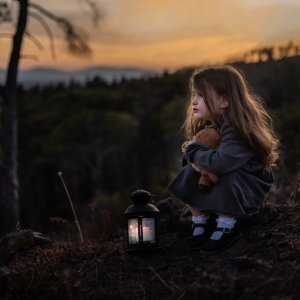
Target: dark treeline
x,y
110,139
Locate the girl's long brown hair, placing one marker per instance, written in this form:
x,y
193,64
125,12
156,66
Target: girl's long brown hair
x,y
245,113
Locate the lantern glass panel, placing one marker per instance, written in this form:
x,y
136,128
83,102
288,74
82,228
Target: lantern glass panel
x,y
133,231
148,225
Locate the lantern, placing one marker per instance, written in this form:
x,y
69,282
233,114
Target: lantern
x,y
141,220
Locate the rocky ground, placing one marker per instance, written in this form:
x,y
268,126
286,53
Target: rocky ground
x,y
263,264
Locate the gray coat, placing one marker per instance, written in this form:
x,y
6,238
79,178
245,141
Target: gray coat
x,y
242,185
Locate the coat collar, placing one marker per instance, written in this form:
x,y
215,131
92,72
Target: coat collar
x,y
215,126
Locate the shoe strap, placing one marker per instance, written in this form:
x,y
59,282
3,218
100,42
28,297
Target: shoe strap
x,y
194,225
224,229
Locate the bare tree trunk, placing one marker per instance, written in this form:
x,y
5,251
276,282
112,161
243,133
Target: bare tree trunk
x,y
9,176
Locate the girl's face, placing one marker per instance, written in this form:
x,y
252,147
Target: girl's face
x,y
199,106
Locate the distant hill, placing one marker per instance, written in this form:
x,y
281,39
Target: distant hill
x,y
44,76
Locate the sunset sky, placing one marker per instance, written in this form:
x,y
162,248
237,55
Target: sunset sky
x,y
162,34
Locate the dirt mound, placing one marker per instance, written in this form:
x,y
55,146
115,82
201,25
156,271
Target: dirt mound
x,y
263,264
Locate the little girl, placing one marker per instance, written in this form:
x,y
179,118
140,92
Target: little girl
x,y
248,149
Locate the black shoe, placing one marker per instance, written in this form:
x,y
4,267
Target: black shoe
x,y
229,237
196,241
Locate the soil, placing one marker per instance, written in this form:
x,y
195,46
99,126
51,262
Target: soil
x,y
263,264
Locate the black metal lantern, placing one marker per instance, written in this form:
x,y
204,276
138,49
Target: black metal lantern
x,y
141,220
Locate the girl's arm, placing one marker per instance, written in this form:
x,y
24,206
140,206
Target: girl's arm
x,y
231,154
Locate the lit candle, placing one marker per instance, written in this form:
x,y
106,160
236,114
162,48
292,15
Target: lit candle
x,y
146,234
137,235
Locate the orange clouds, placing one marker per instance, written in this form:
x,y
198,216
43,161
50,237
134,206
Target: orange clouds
x,y
162,34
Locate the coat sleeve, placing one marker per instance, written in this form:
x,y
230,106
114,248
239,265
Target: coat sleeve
x,y
231,154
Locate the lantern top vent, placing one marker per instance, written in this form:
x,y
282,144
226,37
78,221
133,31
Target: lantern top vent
x,y
140,197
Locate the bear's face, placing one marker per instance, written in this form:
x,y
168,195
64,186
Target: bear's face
x,y
209,137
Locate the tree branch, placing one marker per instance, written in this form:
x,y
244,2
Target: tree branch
x,y
97,13
48,31
44,11
5,12
30,56
34,40
5,35
76,43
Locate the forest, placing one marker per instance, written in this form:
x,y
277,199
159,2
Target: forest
x,y
109,140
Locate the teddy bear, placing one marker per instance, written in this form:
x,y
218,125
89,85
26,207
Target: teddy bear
x,y
211,138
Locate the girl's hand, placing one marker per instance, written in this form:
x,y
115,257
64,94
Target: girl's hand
x,y
196,168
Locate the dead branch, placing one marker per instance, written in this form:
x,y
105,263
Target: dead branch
x,y
76,43
71,203
296,189
34,40
29,56
48,31
5,12
97,13
6,35
164,283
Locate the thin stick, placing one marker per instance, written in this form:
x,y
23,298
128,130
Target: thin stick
x,y
296,189
164,283
76,221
